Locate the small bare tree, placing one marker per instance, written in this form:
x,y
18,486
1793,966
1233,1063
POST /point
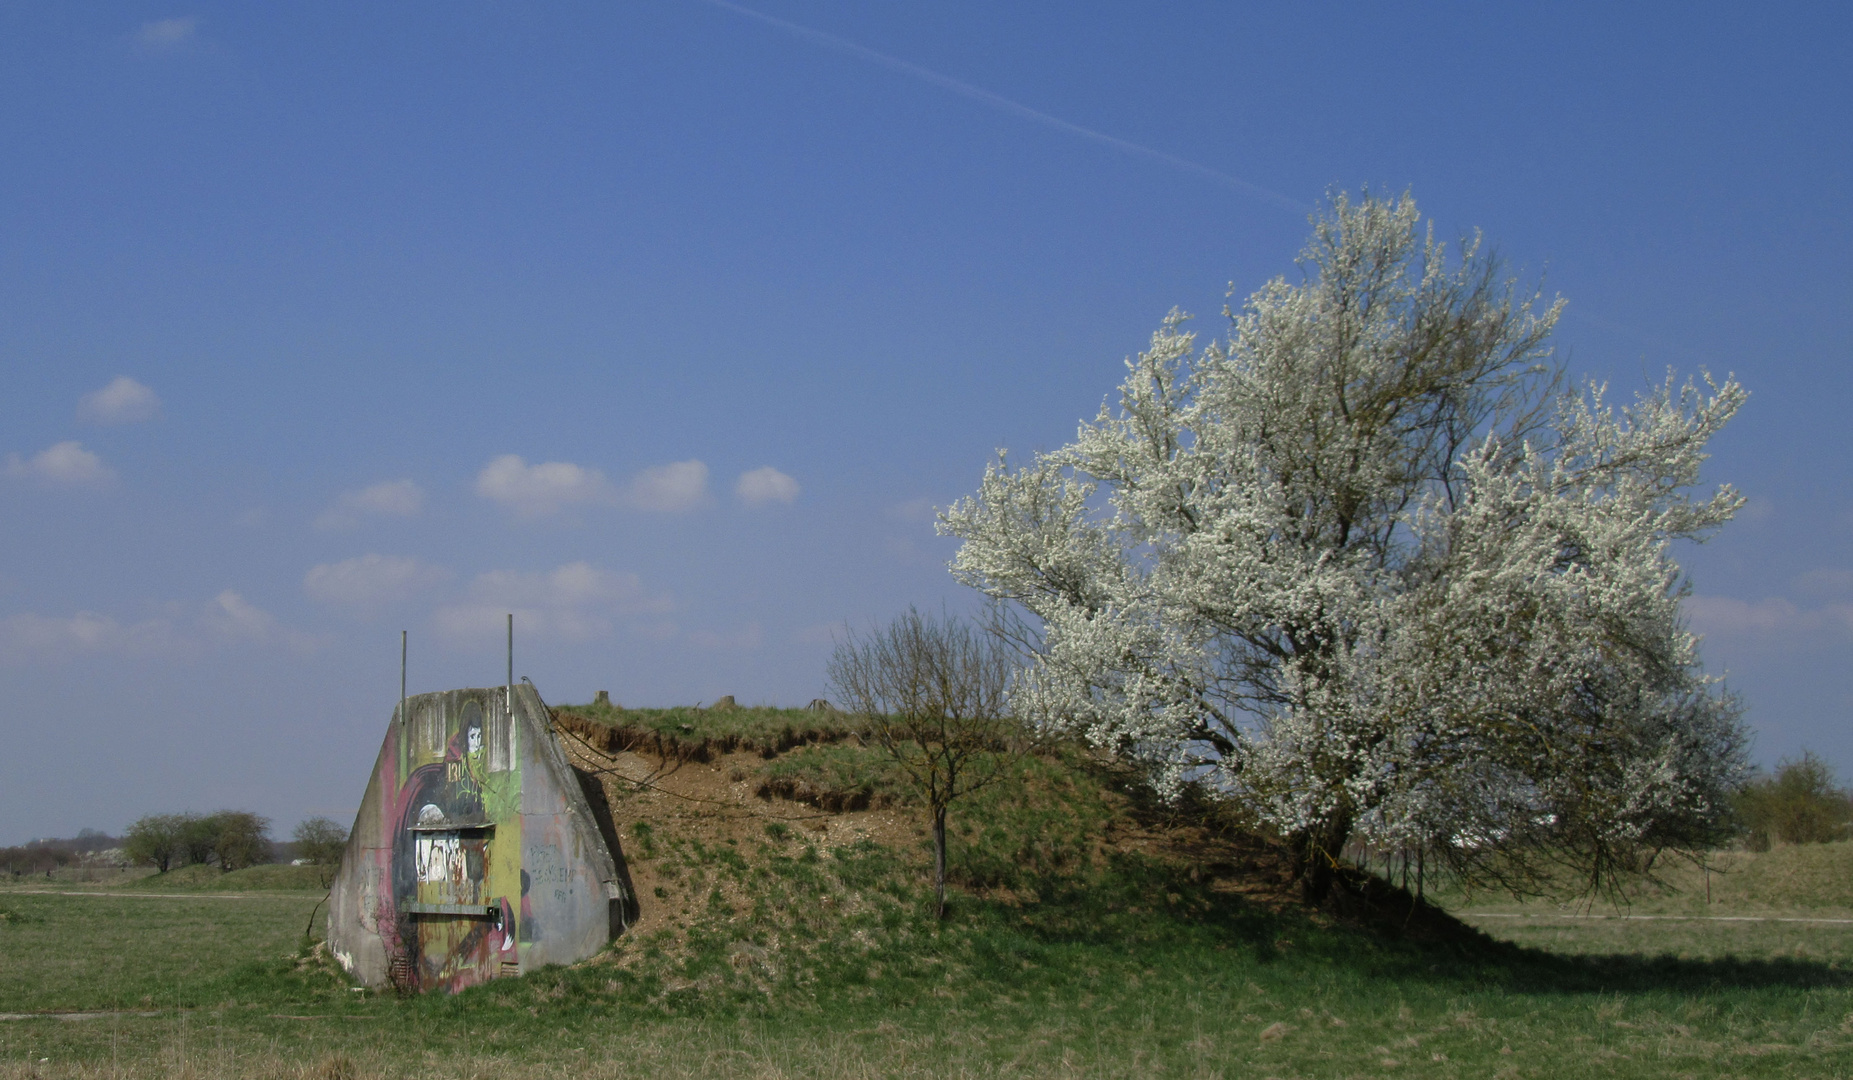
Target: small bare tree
x,y
933,693
322,842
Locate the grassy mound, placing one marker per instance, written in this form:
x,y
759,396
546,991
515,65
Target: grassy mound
x,y
1091,933
818,960
1085,914
1803,876
835,777
765,875
694,734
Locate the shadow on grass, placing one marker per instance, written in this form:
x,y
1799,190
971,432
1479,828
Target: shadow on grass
x,y
1138,935
1210,889
1371,930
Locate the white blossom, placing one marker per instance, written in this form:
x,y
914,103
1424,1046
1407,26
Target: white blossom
x,y
1368,568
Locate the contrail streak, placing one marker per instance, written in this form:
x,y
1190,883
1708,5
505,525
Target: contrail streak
x,y
1005,105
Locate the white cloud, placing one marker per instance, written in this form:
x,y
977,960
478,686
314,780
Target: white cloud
x,y
392,498
549,487
45,635
1724,615
575,602
913,511
228,618
123,401
576,584
164,34
232,618
1825,608
767,485
671,489
235,617
367,584
935,552
546,488
66,464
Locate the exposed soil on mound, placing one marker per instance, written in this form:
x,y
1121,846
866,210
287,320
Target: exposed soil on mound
x,y
713,792
800,790
715,802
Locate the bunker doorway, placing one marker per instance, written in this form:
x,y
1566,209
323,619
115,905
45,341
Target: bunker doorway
x,y
464,935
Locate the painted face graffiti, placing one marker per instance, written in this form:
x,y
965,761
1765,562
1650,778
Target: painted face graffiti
x,y
445,885
447,826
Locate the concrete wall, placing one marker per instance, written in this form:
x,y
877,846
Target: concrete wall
x,y
475,853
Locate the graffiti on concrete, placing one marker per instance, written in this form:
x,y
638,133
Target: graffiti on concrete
x,y
474,854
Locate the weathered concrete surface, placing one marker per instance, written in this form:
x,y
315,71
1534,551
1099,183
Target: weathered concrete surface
x,y
475,853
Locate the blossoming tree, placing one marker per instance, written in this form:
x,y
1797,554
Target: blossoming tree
x,y
1367,567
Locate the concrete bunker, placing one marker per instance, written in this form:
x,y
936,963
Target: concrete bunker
x,y
476,852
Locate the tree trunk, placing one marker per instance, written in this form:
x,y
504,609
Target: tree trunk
x,y
1315,858
939,862
1316,881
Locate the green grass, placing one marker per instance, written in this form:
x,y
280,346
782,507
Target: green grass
x,y
690,731
1040,821
1081,945
803,961
1752,899
1685,939
835,776
11,915
268,878
76,953
1806,877
1802,879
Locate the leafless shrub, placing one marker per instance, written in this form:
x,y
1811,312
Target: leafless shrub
x,y
933,693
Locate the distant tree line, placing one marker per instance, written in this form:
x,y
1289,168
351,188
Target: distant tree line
x,y
319,841
229,839
26,859
51,853
1797,804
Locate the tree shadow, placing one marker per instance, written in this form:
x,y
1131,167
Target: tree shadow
x,y
1368,928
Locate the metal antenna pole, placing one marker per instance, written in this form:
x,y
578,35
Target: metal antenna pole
x,y
401,678
511,664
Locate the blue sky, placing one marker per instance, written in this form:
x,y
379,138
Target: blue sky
x,y
666,324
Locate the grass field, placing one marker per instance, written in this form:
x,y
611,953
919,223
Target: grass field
x,y
1234,992
101,951
689,732
780,939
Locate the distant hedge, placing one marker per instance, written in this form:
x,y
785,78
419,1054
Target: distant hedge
x,y
229,839
1798,804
